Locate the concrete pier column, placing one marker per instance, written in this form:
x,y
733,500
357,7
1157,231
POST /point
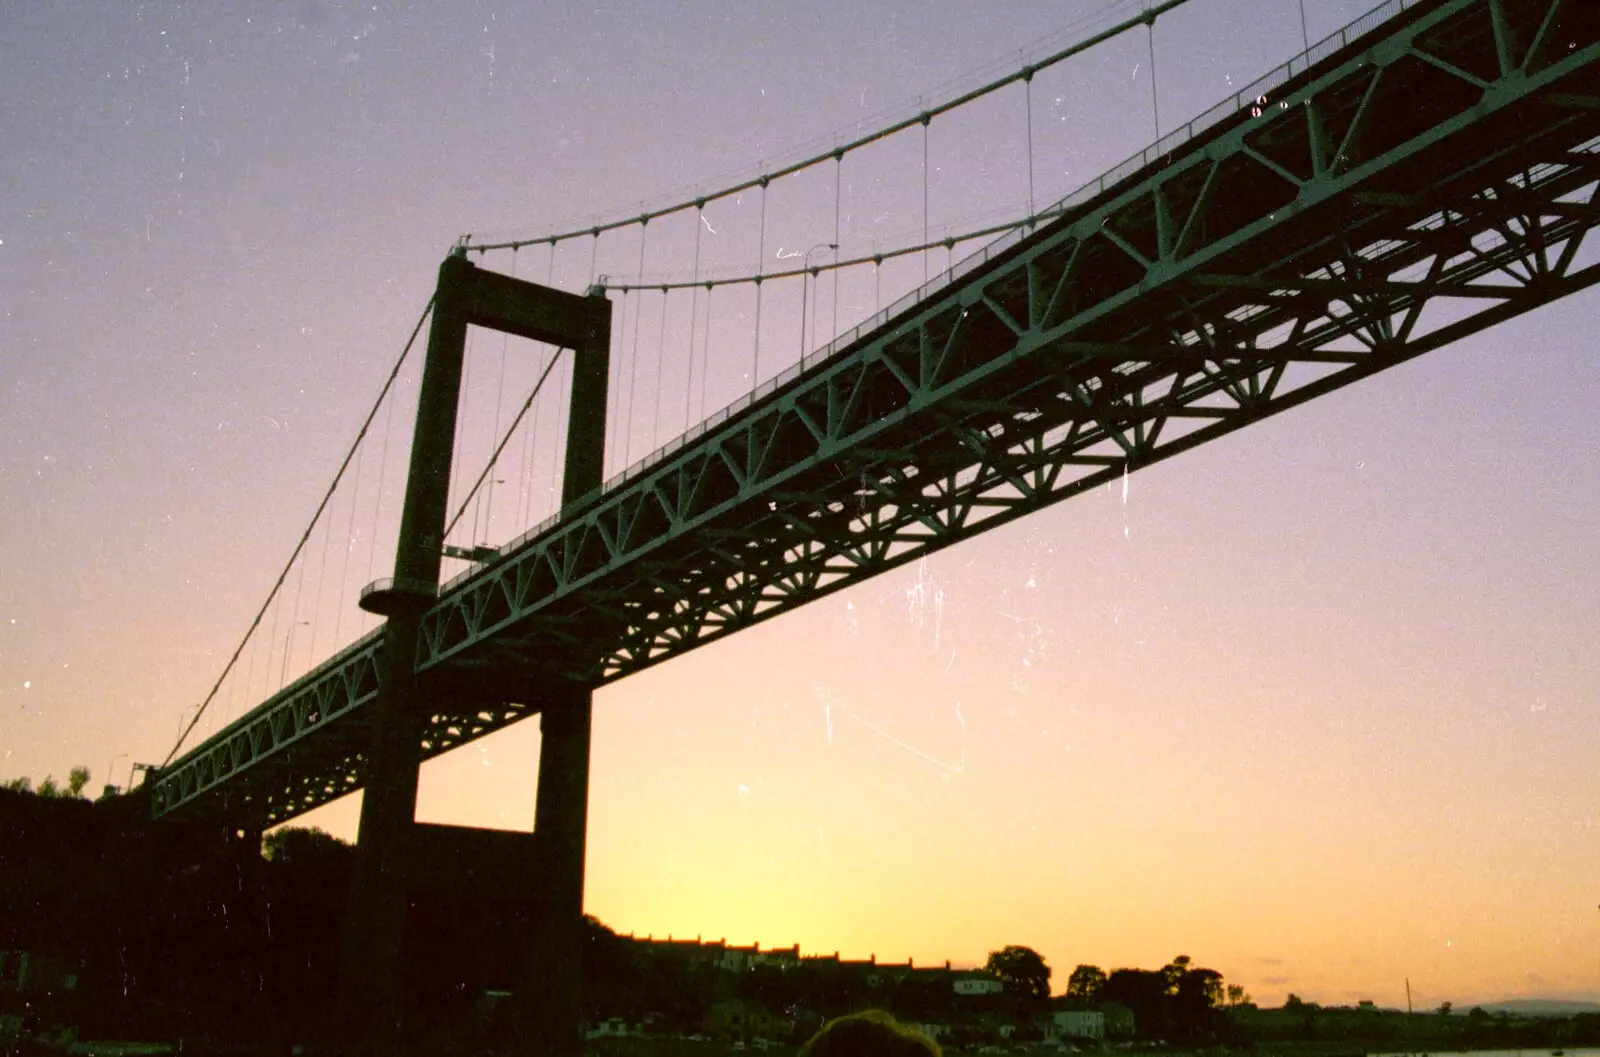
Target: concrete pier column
x,y
370,980
550,1002
389,844
551,998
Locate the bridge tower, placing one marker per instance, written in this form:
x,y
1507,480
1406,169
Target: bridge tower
x,y
397,857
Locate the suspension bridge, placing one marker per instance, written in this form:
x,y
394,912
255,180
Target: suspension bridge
x,y
1418,176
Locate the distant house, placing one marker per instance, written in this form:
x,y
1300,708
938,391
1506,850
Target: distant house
x,y
977,982
615,1027
1077,1024
690,954
738,1019
781,957
887,973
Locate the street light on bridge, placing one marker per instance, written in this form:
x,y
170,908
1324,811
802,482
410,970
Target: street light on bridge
x,y
805,279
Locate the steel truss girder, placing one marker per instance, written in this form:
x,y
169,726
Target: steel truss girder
x,y
1432,180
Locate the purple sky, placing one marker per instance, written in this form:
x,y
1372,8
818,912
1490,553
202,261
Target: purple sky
x,y
1314,704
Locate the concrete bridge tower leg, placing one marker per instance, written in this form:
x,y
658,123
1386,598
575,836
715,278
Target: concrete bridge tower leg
x,y
372,993
551,998
370,978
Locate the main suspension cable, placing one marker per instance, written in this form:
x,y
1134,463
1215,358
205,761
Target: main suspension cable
x,y
861,141
298,547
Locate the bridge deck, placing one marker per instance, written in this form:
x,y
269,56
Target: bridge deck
x,y
1422,181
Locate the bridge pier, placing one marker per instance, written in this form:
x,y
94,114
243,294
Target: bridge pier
x,y
550,998
390,842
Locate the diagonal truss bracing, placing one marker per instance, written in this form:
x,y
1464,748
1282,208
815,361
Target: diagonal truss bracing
x,y
1435,178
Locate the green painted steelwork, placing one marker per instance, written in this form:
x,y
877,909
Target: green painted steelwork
x,y
1431,179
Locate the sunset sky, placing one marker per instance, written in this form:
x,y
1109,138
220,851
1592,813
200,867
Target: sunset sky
x,y
1314,704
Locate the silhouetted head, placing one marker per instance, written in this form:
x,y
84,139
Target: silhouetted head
x,y
873,1033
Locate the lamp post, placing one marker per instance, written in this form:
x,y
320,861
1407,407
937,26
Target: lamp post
x,y
805,279
288,649
877,277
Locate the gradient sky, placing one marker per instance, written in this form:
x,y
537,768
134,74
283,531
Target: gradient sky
x,y
1314,704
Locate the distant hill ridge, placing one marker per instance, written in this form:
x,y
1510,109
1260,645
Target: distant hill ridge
x,y
1539,1007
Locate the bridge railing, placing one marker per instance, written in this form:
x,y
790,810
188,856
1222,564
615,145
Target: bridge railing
x,y
1253,95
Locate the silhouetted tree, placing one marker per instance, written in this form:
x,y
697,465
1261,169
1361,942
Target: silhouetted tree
x,y
1086,984
1173,973
1194,1004
77,778
304,846
1021,969
1144,992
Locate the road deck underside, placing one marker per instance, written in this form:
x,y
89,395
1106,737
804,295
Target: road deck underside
x,y
1433,179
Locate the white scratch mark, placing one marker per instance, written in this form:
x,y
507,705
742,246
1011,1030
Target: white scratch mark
x,y
707,223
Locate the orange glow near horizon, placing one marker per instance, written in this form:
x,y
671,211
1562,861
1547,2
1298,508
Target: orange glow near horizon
x,y
1314,703
1300,811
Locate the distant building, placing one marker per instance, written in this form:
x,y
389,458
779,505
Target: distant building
x,y
781,957
977,982
885,974
1078,1024
718,954
614,1028
735,1018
